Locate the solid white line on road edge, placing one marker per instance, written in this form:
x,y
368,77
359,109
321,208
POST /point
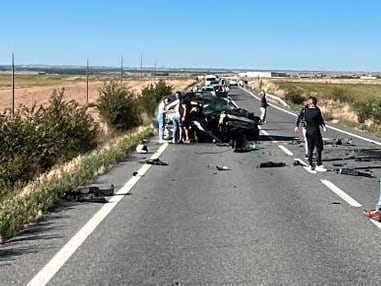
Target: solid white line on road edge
x,y
301,162
285,150
376,223
54,265
340,193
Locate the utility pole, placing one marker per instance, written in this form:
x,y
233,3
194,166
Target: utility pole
x,y
87,81
154,71
141,66
121,69
13,84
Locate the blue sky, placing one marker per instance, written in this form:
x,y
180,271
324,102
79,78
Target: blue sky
x,y
330,35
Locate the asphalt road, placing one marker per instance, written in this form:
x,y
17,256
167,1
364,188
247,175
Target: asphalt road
x,y
190,224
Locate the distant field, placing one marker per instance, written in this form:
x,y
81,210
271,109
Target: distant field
x,y
325,89
337,98
37,89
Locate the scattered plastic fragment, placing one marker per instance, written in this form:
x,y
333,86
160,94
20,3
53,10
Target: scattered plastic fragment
x,y
156,161
271,164
142,148
92,193
354,172
222,168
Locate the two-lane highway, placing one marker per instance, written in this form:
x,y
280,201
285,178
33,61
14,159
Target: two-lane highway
x,y
190,224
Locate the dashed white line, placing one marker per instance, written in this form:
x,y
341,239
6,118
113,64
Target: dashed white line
x,y
55,264
285,150
340,193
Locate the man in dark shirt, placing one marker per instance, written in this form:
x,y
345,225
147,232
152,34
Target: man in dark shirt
x,y
314,120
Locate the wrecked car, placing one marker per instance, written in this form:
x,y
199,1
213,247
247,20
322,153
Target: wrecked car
x,y
219,119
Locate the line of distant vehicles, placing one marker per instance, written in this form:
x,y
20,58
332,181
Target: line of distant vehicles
x,y
219,86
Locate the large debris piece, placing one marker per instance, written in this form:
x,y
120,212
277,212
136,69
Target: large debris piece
x,y
354,172
271,164
92,193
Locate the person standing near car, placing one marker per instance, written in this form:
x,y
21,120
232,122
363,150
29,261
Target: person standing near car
x,y
314,121
162,110
263,107
184,119
174,110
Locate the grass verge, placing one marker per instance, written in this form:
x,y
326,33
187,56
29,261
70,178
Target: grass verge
x,y
26,205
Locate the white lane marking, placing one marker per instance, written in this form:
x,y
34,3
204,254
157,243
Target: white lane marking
x,y
340,193
307,168
54,265
285,150
301,162
329,126
376,223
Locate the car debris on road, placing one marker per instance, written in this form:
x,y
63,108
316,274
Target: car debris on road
x,y
92,193
271,164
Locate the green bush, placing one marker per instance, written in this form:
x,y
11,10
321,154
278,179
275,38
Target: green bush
x,y
118,107
152,94
363,110
294,96
376,110
35,139
17,154
66,129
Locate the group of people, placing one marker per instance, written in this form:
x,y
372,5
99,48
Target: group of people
x,y
177,111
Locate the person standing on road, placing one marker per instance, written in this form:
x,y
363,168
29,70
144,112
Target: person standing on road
x,y
301,121
174,110
314,121
184,118
161,118
263,107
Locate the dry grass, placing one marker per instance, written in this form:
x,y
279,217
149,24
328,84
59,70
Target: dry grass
x,y
36,89
324,89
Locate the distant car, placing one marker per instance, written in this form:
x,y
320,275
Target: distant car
x,y
233,82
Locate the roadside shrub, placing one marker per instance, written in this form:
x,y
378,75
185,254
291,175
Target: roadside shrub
x,y
17,153
376,110
118,107
294,96
152,94
363,110
66,129
35,139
